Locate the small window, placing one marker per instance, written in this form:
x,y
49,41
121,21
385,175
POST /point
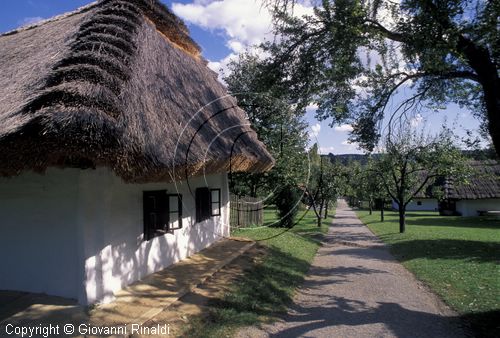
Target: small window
x,y
162,213
175,211
202,204
419,202
155,208
215,202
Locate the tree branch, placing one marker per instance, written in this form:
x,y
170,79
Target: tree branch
x,y
395,36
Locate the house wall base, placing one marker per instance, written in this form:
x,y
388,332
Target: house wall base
x,y
470,207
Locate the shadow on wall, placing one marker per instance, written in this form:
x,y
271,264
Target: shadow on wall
x,y
117,264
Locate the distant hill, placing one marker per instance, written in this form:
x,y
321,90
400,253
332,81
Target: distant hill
x,y
347,158
478,155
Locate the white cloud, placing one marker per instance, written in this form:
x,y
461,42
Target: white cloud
x,y
350,145
343,128
245,23
222,66
315,129
416,120
326,150
311,108
30,20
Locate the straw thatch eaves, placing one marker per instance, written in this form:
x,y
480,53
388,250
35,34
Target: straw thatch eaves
x,y
119,84
483,183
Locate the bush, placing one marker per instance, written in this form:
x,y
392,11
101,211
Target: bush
x,y
287,202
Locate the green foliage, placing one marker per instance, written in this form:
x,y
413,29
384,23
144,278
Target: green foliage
x,y
456,256
440,51
264,292
327,181
412,161
364,185
287,200
278,124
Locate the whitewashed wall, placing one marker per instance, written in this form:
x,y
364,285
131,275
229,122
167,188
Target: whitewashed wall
x,y
470,207
38,233
427,204
79,234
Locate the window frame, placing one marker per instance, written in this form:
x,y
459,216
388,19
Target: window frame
x,y
161,210
202,204
178,211
219,202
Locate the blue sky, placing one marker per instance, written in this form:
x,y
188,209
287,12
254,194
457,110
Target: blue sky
x,y
223,29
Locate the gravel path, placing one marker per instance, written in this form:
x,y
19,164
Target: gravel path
x,y
355,288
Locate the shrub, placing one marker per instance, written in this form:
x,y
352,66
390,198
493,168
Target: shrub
x,y
287,202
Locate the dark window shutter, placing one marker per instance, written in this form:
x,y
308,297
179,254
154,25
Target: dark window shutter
x,y
180,211
155,213
163,211
202,204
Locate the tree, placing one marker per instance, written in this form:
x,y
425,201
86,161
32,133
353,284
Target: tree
x,y
443,50
325,183
279,126
365,186
413,161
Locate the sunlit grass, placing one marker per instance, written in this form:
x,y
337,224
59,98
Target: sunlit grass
x,y
268,288
456,256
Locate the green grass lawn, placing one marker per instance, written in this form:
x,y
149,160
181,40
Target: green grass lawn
x,y
268,288
456,256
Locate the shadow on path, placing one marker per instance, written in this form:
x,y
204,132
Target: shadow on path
x,y
339,311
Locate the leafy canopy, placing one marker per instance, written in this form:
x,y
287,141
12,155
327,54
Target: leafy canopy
x,y
279,124
352,56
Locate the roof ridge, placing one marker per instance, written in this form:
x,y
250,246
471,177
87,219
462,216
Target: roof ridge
x,y
51,19
166,22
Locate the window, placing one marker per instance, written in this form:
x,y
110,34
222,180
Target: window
x,y
162,213
175,211
215,202
202,204
155,207
208,203
419,202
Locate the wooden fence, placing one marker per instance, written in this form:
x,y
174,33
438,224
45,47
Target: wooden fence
x,y
245,211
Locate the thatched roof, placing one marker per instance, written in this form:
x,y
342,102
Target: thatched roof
x,y
119,84
483,183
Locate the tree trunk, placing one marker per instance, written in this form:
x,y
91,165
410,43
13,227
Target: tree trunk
x,y
318,214
479,59
370,206
321,204
326,210
382,213
402,223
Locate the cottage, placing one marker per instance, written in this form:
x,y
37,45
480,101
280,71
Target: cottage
x,y
115,144
420,204
423,201
479,195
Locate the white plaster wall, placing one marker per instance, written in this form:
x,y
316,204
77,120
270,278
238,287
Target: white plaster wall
x,y
38,233
110,221
79,234
470,207
428,204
